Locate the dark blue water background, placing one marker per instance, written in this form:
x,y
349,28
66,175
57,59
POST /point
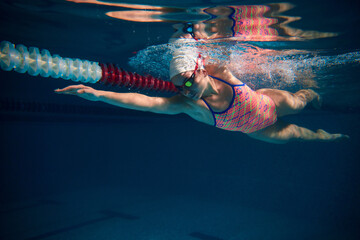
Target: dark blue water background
x,y
68,144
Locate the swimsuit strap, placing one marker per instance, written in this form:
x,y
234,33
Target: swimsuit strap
x,y
212,112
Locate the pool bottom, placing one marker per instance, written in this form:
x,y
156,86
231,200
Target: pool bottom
x,y
113,213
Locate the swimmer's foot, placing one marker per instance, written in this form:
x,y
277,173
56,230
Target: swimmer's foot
x,y
316,99
325,136
309,96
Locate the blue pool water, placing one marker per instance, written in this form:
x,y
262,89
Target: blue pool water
x,y
72,169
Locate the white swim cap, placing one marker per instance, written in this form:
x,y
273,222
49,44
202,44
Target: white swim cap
x,y
185,57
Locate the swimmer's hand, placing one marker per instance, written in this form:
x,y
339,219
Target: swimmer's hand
x,y
82,91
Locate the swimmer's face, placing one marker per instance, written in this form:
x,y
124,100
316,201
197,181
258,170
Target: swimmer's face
x,y
198,80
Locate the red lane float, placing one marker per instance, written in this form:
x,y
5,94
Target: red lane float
x,y
115,76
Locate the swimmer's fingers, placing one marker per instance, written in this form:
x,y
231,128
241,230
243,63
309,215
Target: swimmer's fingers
x,y
81,1
82,91
73,89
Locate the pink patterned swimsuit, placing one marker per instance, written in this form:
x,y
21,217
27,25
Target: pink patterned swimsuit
x,y
248,111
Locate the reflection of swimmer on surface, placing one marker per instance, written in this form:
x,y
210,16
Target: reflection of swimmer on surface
x,y
240,23
257,23
211,94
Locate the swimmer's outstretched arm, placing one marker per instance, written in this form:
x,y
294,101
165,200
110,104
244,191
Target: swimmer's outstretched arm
x,y
134,101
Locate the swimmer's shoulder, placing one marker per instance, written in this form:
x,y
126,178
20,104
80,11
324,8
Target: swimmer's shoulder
x,y
196,109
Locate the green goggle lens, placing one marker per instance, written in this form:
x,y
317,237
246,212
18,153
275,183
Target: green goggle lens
x,y
188,84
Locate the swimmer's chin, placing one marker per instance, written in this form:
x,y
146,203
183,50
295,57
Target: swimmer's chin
x,y
194,97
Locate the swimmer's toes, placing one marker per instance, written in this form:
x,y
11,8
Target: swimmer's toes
x,y
342,137
339,137
325,136
317,101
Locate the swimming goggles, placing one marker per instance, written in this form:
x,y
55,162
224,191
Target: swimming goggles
x,y
189,28
190,80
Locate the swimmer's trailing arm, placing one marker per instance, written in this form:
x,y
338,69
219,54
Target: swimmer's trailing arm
x,y
22,60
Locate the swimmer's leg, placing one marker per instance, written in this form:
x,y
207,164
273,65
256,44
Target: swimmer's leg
x,y
282,132
291,103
